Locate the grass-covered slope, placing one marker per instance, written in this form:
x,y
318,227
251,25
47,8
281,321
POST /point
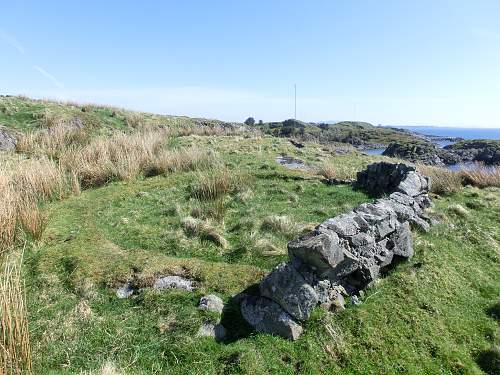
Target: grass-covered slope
x,y
220,210
24,114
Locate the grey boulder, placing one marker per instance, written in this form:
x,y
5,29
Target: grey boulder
x,y
285,286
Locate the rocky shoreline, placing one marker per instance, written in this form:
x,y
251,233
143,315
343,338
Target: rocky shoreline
x,y
469,151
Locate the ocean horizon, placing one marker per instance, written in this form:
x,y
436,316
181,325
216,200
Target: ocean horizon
x,y
465,133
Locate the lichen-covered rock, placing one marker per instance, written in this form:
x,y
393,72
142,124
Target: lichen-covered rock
x,y
7,139
125,291
413,184
212,303
403,242
268,317
345,225
285,286
320,250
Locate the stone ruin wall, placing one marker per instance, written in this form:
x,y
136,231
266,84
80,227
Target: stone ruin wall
x,y
344,254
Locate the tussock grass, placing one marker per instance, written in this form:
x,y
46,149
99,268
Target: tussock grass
x,y
121,157
447,182
204,230
443,181
24,185
338,171
15,357
280,224
217,182
52,142
125,157
182,160
481,176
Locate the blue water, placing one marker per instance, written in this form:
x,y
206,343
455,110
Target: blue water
x,y
465,133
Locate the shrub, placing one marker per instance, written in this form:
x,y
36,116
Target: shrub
x,y
250,121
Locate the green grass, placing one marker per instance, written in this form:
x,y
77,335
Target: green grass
x,y
430,315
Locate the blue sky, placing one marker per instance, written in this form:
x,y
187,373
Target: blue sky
x,y
426,62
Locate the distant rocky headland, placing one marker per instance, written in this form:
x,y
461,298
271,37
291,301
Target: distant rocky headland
x,y
397,142
467,151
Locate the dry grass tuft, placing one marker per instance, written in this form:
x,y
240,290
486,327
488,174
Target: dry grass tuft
x,y
24,185
108,368
481,176
280,224
204,230
52,142
458,210
443,181
15,351
182,160
332,171
218,182
121,157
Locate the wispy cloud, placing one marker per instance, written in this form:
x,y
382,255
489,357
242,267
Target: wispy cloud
x,y
13,42
46,74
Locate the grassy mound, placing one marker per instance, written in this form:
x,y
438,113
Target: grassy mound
x,y
222,217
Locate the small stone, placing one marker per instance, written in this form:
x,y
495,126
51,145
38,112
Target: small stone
x,y
218,331
354,301
125,291
212,303
124,220
142,194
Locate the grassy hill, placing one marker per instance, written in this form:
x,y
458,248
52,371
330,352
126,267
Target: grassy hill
x,y
113,201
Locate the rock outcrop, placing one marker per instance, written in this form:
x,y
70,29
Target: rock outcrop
x,y
484,151
344,254
7,139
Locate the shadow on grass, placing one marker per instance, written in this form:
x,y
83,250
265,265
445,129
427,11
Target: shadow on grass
x,y
236,327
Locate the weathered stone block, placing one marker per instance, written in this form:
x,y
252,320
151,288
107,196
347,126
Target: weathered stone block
x,y
285,286
321,251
